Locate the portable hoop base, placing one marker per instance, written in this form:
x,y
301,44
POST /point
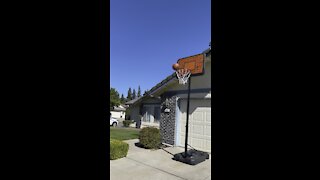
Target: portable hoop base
x,y
192,157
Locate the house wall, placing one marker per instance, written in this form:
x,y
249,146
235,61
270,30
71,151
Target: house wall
x,y
167,123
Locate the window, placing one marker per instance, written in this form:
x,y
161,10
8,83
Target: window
x,y
151,113
157,113
147,113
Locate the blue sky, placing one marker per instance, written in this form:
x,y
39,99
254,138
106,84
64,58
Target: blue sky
x,y
148,36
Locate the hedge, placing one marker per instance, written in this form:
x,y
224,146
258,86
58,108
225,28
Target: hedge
x,y
150,138
118,149
126,123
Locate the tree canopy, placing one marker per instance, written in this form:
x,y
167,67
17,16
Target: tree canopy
x,y
139,92
129,96
122,99
114,98
134,95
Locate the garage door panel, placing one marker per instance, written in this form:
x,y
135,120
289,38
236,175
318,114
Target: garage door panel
x,y
196,142
208,117
208,145
197,117
207,131
197,129
199,124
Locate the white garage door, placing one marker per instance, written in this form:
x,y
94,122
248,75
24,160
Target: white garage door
x,y
199,135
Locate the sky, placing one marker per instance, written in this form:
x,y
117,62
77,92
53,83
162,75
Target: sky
x,y
148,36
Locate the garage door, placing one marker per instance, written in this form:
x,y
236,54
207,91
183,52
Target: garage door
x,y
199,135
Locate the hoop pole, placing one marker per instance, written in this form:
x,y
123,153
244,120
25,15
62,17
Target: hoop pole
x,y
187,123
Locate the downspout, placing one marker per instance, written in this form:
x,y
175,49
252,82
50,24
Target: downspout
x,y
177,122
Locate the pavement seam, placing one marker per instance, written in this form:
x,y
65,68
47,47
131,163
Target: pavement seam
x,y
157,168
206,177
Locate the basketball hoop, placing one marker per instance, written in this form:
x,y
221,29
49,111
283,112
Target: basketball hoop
x,y
183,75
184,68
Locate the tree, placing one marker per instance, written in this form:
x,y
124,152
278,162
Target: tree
x,y
139,92
114,97
134,94
145,92
129,96
122,99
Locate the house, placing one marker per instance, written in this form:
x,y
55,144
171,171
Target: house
x,y
164,106
118,111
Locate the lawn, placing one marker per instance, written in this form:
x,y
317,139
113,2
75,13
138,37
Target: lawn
x,y
124,133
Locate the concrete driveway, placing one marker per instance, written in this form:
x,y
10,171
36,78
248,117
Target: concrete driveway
x,y
143,164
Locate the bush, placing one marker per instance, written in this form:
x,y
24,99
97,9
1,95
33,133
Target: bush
x,y
118,149
126,123
150,138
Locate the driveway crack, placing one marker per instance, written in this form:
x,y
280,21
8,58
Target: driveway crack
x,y
206,177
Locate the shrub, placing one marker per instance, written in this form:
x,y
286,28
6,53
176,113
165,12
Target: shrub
x,y
126,123
150,138
118,149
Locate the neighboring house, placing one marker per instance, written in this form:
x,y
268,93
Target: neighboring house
x,y
165,105
118,111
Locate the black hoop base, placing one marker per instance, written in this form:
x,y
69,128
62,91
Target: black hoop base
x,y
192,157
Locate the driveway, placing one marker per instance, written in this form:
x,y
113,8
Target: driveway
x,y
143,164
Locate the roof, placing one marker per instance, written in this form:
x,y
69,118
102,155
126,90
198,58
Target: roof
x,y
207,51
124,106
163,82
118,109
133,101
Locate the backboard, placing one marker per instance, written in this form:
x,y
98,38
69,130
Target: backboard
x,y
193,63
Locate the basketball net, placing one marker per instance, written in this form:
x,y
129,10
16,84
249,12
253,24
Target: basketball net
x,y
183,75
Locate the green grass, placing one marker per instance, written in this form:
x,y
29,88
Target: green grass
x,y
124,133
